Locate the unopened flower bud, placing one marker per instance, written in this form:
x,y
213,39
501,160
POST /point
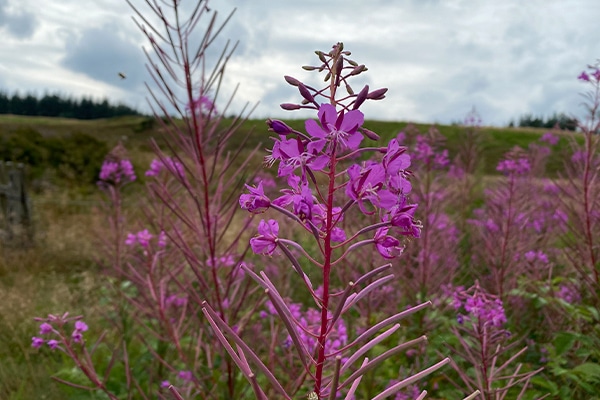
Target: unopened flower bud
x,y
349,90
357,70
377,94
321,56
351,62
370,134
291,81
361,97
290,106
305,93
279,127
309,68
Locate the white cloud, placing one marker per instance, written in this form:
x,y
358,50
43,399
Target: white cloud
x,y
438,58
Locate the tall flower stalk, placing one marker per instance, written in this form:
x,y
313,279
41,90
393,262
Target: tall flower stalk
x,y
323,186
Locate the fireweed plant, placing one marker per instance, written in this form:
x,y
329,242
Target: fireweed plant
x,y
184,245
487,345
323,184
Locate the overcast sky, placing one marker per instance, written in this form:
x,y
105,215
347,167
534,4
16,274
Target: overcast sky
x,y
439,58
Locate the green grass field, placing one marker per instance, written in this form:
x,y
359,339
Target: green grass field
x,y
58,271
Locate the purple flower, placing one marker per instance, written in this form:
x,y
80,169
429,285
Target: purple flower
x,y
165,384
185,376
131,239
81,326
117,172
45,328
340,129
519,166
144,237
584,76
395,159
202,106
294,153
157,165
266,241
549,138
256,202
388,246
367,184
401,217
162,239
53,344
77,336
37,342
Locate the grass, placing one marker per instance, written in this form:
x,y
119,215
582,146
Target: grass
x,y
59,272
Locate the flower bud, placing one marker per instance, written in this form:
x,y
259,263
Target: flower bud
x,y
377,94
349,90
289,106
309,68
370,134
279,127
361,97
321,56
357,70
305,93
291,81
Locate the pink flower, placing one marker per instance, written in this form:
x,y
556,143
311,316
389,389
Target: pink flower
x,y
388,246
45,328
162,239
185,376
584,76
131,239
117,172
37,342
340,129
256,202
549,138
144,237
81,326
266,241
53,344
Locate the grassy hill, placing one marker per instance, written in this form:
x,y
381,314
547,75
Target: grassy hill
x,y
135,131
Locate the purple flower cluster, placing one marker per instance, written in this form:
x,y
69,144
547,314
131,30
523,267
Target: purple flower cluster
x,y
481,308
308,325
48,328
117,172
143,238
549,138
202,106
569,294
370,185
172,165
594,74
517,166
424,152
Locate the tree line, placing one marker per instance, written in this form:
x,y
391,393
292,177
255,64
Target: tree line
x,y
561,121
52,105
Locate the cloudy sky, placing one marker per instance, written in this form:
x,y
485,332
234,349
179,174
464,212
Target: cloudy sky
x,y
439,58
